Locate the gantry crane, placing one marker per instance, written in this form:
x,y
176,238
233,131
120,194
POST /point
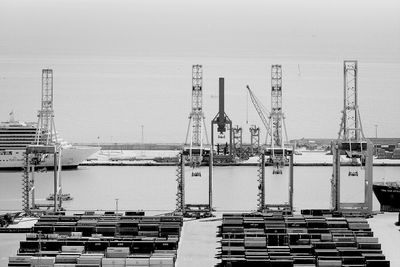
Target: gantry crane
x,y
45,145
352,143
195,150
276,151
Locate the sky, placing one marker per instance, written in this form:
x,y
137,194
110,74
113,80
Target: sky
x,y
122,64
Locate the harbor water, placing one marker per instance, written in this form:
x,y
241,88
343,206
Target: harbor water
x,y
153,189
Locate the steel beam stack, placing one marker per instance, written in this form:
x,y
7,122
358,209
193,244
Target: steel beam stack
x,y
101,240
315,238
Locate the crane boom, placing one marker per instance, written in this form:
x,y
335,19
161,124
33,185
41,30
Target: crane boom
x,y
258,106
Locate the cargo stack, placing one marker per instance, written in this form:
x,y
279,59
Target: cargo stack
x,y
101,240
315,238
396,153
381,153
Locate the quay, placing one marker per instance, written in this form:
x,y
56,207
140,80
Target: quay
x,y
170,158
316,164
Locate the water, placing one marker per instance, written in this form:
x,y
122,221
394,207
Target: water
x,y
154,188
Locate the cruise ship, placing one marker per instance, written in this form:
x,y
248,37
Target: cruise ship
x,y
15,136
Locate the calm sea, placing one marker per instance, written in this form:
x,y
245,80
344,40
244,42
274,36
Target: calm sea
x,y
154,188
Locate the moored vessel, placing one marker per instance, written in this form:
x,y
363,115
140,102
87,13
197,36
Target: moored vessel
x,y
15,136
64,197
388,195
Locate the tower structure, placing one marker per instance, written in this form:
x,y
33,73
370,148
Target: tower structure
x,y
352,143
254,139
196,136
276,115
238,140
46,132
278,154
350,127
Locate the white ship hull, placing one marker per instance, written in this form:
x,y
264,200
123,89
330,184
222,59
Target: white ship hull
x,y
72,156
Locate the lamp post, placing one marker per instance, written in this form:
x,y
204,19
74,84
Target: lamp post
x,y
142,141
116,206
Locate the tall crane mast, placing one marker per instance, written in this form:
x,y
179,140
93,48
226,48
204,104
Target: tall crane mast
x,y
196,135
274,122
46,132
276,115
350,127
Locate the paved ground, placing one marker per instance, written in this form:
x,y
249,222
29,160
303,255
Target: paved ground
x,y
198,244
388,234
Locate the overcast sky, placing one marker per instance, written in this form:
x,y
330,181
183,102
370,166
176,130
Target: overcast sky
x,y
72,36
188,27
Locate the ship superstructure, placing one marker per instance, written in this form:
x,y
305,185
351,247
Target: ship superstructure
x,y
15,136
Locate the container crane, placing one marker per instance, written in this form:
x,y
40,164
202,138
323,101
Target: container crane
x,y
352,143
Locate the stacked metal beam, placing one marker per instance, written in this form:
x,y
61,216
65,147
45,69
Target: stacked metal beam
x,y
323,239
101,240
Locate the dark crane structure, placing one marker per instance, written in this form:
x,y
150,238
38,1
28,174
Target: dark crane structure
x,y
223,151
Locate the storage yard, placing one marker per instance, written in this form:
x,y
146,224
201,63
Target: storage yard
x,y
90,239
274,238
315,238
